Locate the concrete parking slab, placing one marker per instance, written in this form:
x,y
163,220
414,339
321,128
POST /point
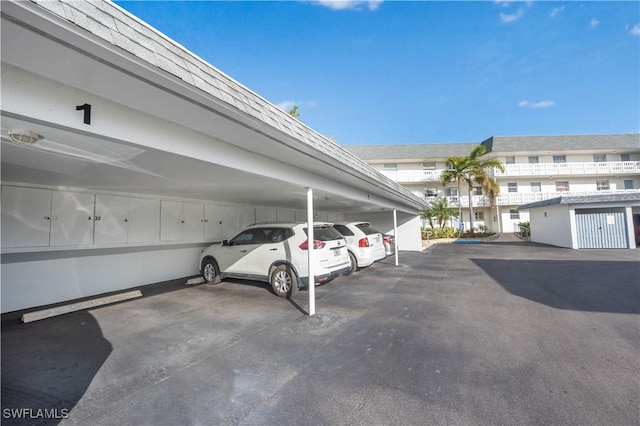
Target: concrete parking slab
x,y
460,334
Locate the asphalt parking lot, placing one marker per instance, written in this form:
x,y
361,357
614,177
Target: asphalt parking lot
x,y
459,334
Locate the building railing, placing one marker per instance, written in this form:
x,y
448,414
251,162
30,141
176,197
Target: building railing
x,y
518,198
555,169
526,169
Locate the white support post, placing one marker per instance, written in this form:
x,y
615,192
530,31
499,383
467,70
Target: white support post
x,y
395,234
311,254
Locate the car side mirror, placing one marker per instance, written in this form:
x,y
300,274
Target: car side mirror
x,y
225,242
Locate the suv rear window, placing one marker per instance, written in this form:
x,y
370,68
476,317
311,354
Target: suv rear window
x,y
343,230
324,233
368,229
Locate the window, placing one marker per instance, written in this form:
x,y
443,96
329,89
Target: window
x,y
514,214
536,187
453,192
477,190
479,215
628,184
390,167
428,166
559,158
562,186
599,158
431,192
344,230
533,160
512,187
625,157
510,160
602,185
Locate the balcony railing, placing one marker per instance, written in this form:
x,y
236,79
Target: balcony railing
x,y
555,169
413,175
526,169
519,198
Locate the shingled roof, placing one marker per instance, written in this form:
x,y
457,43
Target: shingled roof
x,y
498,144
585,199
562,143
114,25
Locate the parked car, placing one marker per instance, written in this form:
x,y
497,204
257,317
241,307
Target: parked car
x,y
277,254
389,244
365,243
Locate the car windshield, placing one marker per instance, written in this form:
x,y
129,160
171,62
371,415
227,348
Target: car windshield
x,y
324,233
367,229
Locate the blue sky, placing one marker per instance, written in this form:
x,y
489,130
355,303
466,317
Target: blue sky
x,y
388,72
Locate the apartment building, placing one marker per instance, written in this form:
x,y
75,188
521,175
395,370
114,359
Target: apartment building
x,y
536,168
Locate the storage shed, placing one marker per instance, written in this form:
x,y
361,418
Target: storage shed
x,y
587,221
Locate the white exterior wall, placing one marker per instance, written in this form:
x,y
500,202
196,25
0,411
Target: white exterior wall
x,y
408,237
511,225
552,225
27,284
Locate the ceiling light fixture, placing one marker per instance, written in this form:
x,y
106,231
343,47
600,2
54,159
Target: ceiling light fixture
x,y
24,137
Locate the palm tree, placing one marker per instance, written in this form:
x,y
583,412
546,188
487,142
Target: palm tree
x,y
294,111
428,215
442,211
458,170
479,172
469,169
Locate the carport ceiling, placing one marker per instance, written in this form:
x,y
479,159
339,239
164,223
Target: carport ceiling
x,y
70,160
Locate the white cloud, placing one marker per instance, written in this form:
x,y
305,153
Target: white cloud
x,y
505,18
556,11
349,4
287,105
594,23
536,105
635,31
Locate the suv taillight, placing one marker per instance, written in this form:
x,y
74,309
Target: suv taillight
x,y
363,242
316,245
387,240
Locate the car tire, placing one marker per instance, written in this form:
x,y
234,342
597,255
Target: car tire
x,y
284,281
354,264
210,271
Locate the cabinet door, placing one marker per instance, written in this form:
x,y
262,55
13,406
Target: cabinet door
x,y
231,222
213,216
26,216
144,220
111,218
71,218
171,221
193,221
266,215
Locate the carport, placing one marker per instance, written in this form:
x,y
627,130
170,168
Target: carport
x,y
123,155
588,221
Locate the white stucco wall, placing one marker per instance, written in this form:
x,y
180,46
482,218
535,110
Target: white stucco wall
x,y
408,237
551,225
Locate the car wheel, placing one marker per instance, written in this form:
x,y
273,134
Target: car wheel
x,y
354,264
210,271
284,281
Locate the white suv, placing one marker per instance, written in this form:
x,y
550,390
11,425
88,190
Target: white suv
x,y
364,242
277,254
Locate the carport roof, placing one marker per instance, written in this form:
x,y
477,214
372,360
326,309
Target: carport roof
x,y
115,26
624,197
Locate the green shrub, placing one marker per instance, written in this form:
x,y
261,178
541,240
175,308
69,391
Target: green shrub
x,y
447,232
